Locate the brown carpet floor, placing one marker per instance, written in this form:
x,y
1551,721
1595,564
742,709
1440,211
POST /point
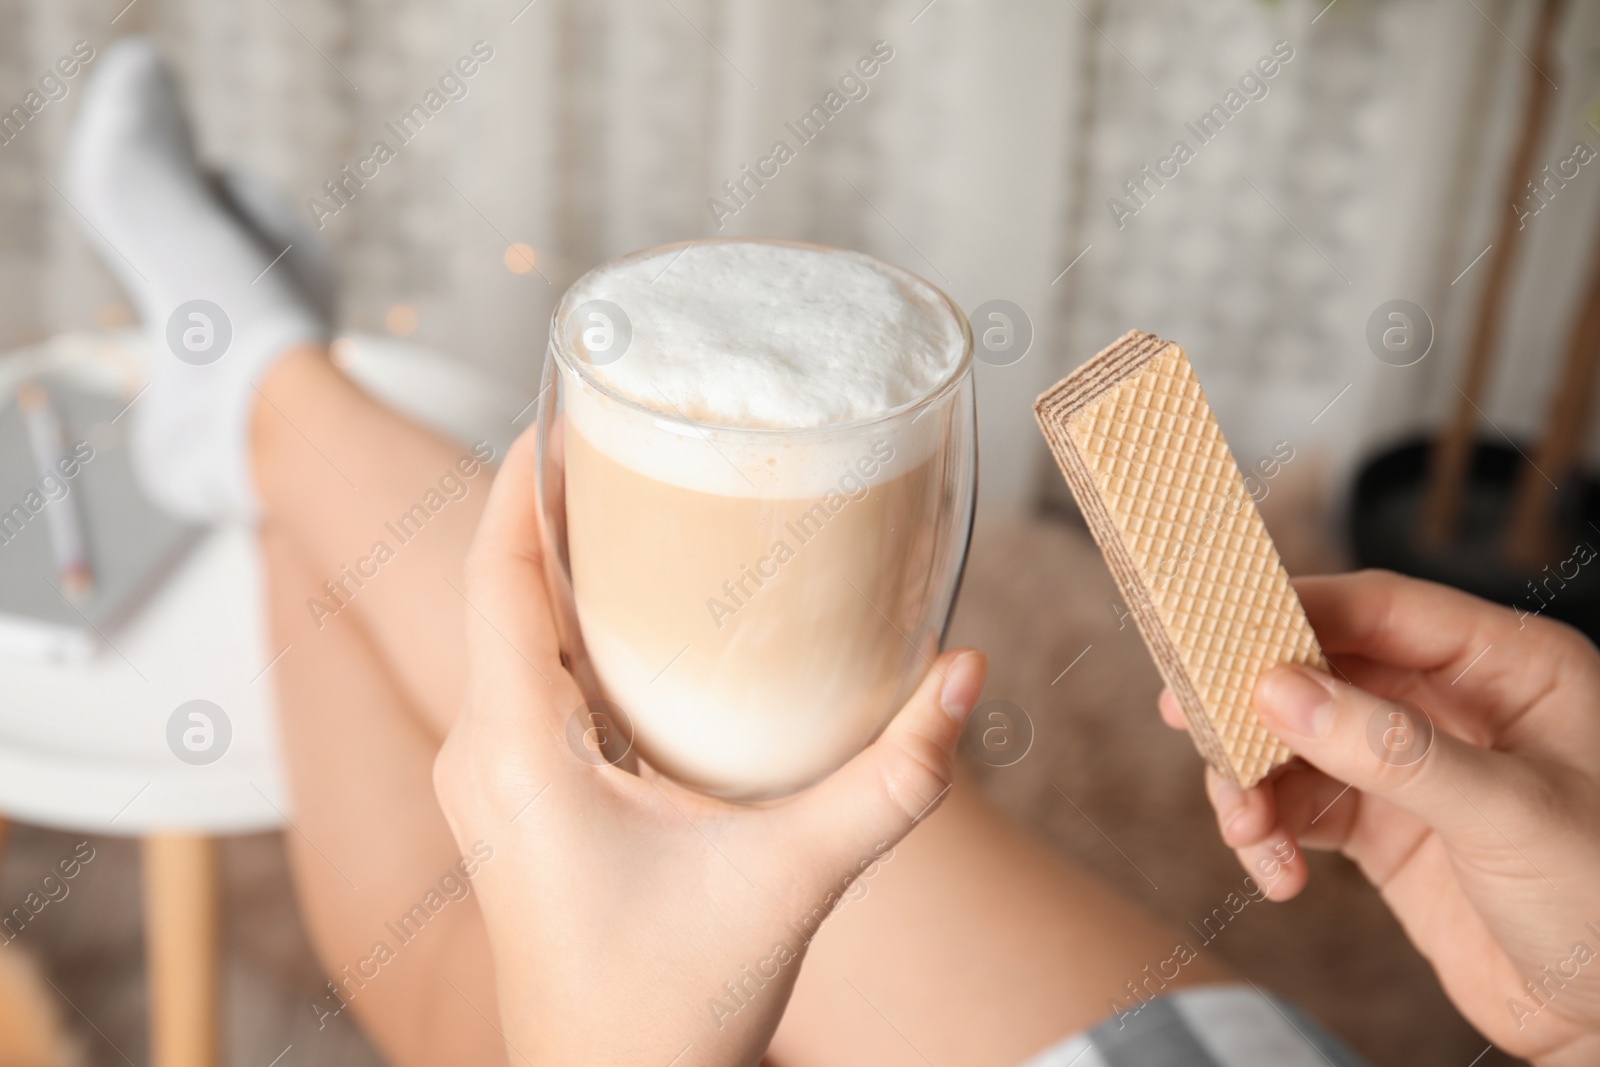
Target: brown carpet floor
x,y
1037,595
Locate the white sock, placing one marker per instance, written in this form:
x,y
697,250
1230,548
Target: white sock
x,y
172,237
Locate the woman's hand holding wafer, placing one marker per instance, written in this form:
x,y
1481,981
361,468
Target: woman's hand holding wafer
x,y
1454,756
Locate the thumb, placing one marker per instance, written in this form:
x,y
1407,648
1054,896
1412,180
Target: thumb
x,y
1387,748
874,800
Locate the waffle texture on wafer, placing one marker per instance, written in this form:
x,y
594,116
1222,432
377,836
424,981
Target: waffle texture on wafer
x,y
1165,501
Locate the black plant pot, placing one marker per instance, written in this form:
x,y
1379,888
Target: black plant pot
x,y
1385,524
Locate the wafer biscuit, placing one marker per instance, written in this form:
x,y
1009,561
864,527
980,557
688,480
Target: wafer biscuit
x,y
1165,501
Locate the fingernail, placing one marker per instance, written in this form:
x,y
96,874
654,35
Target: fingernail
x,y
1296,700
963,681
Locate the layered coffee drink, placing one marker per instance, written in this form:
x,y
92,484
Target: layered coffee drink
x,y
766,457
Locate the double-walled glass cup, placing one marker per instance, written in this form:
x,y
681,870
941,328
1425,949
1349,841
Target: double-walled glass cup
x,y
746,608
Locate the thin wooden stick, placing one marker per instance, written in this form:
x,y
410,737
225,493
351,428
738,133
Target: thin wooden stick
x,y
1530,533
1453,453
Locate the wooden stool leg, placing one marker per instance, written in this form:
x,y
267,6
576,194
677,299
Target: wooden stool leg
x,y
180,923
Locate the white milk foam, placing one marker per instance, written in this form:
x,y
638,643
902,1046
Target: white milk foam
x,y
750,336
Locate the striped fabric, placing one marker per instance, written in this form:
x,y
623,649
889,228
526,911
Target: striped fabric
x,y
1223,1026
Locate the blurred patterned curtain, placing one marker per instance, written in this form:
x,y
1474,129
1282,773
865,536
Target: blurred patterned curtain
x,y
985,154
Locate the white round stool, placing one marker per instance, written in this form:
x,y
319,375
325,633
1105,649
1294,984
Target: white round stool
x,y
83,747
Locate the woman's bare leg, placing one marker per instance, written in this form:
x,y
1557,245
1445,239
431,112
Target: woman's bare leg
x,y
366,692
974,939
974,946
368,844
340,475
